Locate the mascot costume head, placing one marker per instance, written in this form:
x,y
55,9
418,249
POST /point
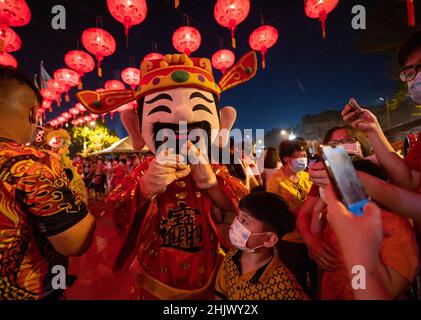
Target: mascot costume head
x,y
174,90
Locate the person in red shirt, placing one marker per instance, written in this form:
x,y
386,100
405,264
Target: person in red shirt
x,y
42,220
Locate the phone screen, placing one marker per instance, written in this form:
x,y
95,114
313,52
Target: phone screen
x,y
344,176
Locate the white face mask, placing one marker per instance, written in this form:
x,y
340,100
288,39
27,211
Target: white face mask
x,y
298,164
239,235
414,88
353,149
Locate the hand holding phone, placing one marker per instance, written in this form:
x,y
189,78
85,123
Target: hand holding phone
x,y
345,179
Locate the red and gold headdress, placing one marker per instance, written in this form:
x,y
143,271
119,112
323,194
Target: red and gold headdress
x,y
177,70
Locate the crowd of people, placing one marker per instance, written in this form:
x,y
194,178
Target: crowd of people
x,y
290,237
103,174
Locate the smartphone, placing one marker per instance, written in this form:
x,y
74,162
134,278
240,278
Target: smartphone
x,y
314,159
355,107
345,179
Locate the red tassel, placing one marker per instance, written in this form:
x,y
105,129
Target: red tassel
x,y
411,13
176,3
323,18
67,98
233,41
80,85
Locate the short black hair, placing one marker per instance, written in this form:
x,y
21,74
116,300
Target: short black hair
x,y
412,44
288,147
271,209
123,161
10,73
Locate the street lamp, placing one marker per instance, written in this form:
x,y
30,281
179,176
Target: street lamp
x,y
292,136
283,133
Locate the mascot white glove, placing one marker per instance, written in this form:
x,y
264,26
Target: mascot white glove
x,y
163,170
201,170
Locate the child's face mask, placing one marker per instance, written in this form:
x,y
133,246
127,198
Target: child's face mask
x,y
239,235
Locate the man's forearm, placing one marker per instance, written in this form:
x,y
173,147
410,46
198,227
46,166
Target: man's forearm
x,y
400,201
396,168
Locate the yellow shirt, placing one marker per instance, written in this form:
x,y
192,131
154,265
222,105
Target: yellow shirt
x,y
294,194
271,282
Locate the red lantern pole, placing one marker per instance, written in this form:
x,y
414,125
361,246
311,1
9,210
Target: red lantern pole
x,y
411,13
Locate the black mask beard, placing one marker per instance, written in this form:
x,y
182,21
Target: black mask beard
x,y
174,128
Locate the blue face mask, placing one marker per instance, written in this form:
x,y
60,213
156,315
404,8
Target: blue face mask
x,y
414,87
298,164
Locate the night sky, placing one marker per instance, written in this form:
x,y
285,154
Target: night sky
x,y
305,74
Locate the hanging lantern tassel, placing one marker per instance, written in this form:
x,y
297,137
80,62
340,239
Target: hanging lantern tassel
x,y
80,85
323,18
176,3
67,98
264,52
58,102
411,13
103,118
233,41
112,115
99,67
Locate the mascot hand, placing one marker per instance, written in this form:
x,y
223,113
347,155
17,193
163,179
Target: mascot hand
x,y
201,170
163,170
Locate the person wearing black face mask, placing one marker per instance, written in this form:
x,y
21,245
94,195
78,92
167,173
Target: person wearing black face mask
x,y
41,220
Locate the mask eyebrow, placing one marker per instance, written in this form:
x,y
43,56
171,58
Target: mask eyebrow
x,y
201,96
162,96
202,107
160,109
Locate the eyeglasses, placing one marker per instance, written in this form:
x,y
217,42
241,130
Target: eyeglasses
x,y
343,141
409,73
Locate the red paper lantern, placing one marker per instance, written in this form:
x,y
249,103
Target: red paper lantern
x,y
58,87
186,40
80,107
66,115
262,39
230,13
8,60
13,13
411,13
74,112
100,43
131,76
128,12
153,56
80,121
75,123
46,105
114,85
9,40
319,9
94,116
49,95
61,119
67,77
223,60
54,123
87,119
80,61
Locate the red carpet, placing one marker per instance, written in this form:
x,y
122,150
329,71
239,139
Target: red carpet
x,y
95,280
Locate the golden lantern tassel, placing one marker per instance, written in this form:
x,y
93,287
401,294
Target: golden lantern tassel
x,y
67,98
100,72
176,3
80,85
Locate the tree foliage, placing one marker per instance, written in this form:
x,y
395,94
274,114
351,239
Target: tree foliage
x,y
90,139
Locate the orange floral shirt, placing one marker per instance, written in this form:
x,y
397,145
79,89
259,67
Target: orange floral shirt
x,y
35,202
